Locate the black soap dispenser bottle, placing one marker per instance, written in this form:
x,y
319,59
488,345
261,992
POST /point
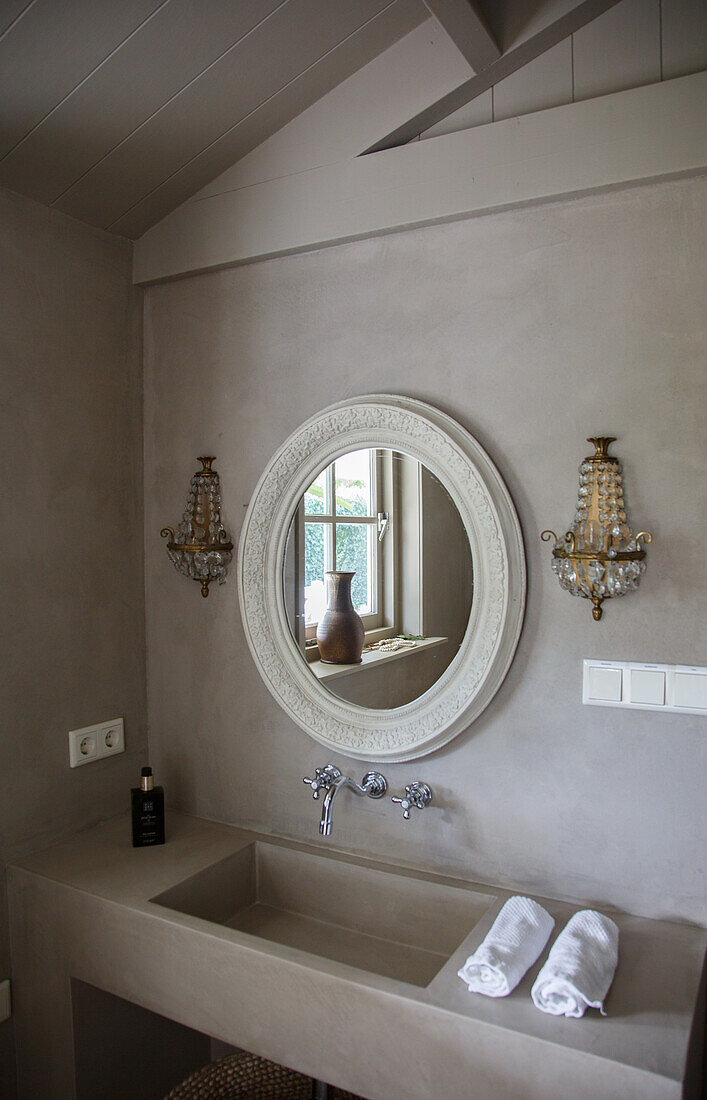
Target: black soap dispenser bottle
x,y
148,811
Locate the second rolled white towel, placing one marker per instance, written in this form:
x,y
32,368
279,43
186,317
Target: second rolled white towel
x,y
512,944
580,966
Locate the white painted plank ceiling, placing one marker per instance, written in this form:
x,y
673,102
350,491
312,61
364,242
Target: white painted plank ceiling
x,y
117,112
619,50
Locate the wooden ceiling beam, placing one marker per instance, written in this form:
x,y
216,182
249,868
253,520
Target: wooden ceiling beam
x,y
507,64
648,133
468,30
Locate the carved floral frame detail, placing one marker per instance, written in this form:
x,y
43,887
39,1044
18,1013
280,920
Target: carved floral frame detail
x,y
487,512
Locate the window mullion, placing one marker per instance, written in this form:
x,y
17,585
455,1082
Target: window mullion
x,y
331,510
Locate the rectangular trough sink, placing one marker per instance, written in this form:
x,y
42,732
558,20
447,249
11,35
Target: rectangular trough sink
x,y
388,922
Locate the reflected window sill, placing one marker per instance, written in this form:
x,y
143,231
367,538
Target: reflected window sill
x,y
370,658
373,634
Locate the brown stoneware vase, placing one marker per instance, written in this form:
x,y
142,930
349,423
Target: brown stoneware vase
x,y
340,633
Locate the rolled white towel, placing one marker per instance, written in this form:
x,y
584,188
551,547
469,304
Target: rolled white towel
x,y
512,944
580,967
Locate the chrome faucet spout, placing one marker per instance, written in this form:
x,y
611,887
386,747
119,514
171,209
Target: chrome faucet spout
x,y
374,786
328,804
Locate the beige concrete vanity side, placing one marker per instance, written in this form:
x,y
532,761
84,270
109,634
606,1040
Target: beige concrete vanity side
x,y
104,975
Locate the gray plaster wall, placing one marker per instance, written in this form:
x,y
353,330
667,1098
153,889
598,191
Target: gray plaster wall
x,y
534,328
71,505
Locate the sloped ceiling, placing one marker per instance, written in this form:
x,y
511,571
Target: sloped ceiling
x,y
116,111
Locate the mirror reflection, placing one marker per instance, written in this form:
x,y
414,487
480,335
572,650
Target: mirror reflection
x,y
376,532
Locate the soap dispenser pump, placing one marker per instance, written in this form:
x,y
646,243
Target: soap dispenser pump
x,y
148,811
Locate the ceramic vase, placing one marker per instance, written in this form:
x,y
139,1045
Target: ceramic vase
x,y
340,632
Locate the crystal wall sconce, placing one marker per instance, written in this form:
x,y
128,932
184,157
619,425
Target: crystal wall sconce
x,y
599,558
202,548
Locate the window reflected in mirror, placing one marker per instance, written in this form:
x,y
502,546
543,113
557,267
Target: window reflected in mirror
x,y
340,518
386,518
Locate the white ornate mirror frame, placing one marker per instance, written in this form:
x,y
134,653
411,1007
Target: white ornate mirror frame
x,y
486,509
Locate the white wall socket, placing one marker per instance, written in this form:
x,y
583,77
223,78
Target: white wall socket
x,y
94,742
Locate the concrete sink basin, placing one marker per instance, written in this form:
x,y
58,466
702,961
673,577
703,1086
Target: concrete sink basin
x,y
383,920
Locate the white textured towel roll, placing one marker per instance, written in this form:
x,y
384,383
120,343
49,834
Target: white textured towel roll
x,y
580,967
512,944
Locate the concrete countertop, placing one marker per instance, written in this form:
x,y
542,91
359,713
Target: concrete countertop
x,y
81,910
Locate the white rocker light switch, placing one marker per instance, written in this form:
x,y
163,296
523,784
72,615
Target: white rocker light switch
x,y
604,684
647,686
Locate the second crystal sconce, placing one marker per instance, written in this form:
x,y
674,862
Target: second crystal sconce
x,y
201,548
599,557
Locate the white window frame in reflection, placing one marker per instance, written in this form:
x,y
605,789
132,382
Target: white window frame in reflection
x,y
372,619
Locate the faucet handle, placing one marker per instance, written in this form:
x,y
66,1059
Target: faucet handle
x,y
417,796
323,779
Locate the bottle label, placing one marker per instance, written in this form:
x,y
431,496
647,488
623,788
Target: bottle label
x,y
148,818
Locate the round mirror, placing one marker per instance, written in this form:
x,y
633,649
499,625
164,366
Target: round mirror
x,y
436,561
377,578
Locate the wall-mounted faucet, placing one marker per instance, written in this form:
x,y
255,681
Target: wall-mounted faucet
x,y
417,796
330,780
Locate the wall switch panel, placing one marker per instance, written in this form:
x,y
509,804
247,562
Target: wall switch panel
x,y
690,689
680,689
647,686
5,1001
604,683
94,742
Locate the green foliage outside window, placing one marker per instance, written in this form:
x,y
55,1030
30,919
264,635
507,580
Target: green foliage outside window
x,y
351,542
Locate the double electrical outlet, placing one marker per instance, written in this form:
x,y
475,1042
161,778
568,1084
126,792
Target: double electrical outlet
x,y
94,742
